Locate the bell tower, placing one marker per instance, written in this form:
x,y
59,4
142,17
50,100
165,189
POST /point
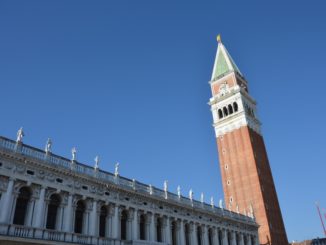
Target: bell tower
x,y
246,174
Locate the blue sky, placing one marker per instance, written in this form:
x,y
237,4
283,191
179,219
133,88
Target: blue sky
x,y
128,80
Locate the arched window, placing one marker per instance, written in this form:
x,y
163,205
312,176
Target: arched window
x,y
210,236
174,232
79,216
230,109
199,235
187,234
159,229
235,106
142,219
123,224
53,206
22,206
225,111
102,225
220,114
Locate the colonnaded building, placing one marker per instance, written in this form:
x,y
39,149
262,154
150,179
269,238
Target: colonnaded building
x,y
49,199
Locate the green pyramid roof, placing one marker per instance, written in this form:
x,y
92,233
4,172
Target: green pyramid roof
x,y
223,63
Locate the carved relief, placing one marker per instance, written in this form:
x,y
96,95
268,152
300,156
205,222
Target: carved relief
x,y
50,177
20,168
92,189
3,183
77,185
40,174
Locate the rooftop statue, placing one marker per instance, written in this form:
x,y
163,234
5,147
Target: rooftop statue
x,y
212,201
150,189
202,197
179,191
191,194
97,160
165,185
48,146
20,135
116,170
221,203
74,154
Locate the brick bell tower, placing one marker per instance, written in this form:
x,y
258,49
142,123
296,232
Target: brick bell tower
x,y
247,178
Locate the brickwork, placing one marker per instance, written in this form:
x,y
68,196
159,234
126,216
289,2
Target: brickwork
x,y
247,181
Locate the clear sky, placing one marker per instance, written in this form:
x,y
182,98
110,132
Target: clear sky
x,y
128,80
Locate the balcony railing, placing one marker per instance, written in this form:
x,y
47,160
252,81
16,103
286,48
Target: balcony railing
x,y
61,162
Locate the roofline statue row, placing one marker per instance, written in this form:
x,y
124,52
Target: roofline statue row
x,y
48,151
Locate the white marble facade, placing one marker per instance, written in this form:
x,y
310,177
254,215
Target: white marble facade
x,y
48,197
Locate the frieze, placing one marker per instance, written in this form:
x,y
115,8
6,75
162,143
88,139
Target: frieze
x,y
162,207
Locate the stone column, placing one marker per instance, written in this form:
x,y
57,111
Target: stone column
x,y
7,201
215,239
135,226
233,238
130,218
30,212
182,235
68,215
249,240
205,235
225,237
109,227
167,230
151,219
86,222
256,240
241,241
193,234
59,226
116,223
39,210
93,222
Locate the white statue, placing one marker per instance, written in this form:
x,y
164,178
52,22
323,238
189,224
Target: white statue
x,y
191,194
221,204
150,189
202,197
212,202
165,186
116,170
97,161
74,153
134,184
251,211
237,208
179,191
20,135
48,146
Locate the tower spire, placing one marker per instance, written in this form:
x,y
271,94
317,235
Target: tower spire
x,y
224,63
